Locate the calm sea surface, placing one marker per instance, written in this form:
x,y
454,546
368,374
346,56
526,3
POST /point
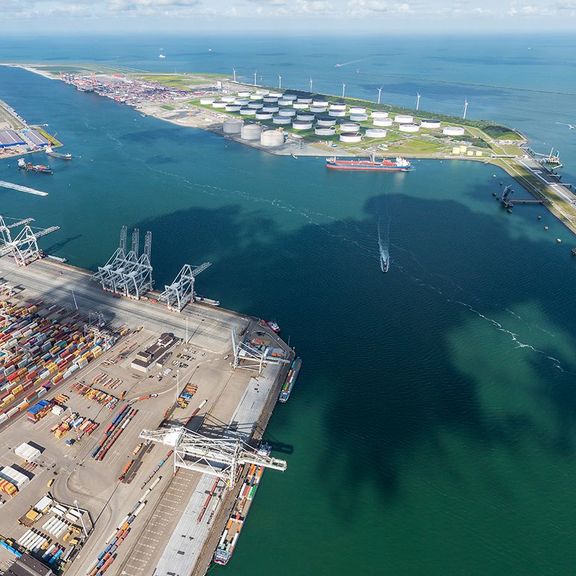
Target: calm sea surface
x,y
433,426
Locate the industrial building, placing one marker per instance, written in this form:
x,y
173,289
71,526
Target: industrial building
x,y
10,138
154,354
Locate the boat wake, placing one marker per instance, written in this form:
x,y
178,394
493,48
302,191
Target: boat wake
x,y
514,336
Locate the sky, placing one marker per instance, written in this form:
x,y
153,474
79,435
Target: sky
x,y
286,16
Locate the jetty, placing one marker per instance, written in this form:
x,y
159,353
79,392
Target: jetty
x,y
19,188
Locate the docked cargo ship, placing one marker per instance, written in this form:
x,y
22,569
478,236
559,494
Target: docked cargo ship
x,y
59,155
28,166
235,523
290,380
387,165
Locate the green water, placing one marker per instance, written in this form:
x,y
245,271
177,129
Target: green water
x,y
431,430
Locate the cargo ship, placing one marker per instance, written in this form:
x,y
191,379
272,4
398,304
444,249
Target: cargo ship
x,y
235,523
290,380
59,155
396,165
28,166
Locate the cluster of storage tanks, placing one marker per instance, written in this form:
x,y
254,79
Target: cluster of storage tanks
x,y
307,112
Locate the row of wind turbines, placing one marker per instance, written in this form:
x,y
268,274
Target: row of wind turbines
x,y
311,86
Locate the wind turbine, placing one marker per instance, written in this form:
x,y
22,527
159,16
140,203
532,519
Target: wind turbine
x,y
234,73
379,94
465,109
279,81
310,84
417,101
343,89
255,73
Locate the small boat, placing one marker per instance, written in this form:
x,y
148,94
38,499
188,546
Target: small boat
x,y
384,252
29,167
59,155
271,324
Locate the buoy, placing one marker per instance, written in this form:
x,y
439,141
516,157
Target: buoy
x,y
558,240
545,227
539,217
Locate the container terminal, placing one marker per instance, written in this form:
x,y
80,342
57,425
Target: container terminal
x,y
128,417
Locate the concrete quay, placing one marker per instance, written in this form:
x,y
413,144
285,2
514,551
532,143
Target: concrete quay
x,y
229,399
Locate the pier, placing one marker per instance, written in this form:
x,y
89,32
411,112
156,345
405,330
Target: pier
x,y
227,400
20,188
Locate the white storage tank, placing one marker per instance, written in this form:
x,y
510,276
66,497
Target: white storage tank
x,y
430,123
338,107
207,101
382,122
232,126
270,108
357,110
300,106
323,131
270,99
305,116
411,128
228,99
283,102
379,114
255,105
326,122
263,115
320,103
247,112
244,94
453,131
376,133
219,104
336,113
318,109
275,94
251,132
300,125
256,97
272,138
287,113
290,97
404,119
350,138
304,100
242,101
233,108
261,92
349,127
282,120
358,117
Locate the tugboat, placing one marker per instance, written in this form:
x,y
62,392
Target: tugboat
x,y
29,167
271,324
385,165
59,155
